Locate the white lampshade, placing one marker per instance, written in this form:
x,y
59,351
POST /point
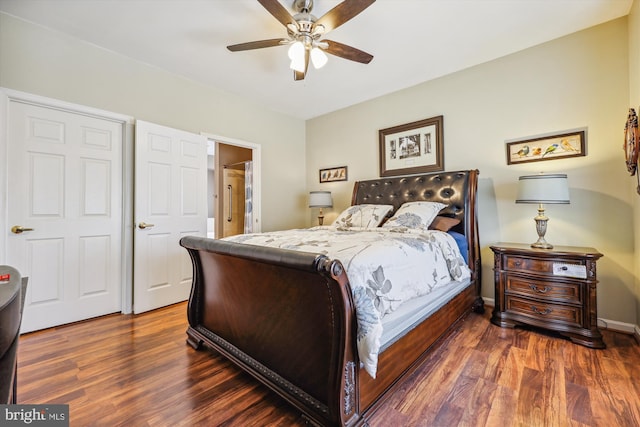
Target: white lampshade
x,y
318,57
296,50
296,54
320,199
550,188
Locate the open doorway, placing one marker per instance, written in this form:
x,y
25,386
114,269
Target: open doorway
x,y
235,205
233,193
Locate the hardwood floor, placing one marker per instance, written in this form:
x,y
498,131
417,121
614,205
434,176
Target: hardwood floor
x,y
125,370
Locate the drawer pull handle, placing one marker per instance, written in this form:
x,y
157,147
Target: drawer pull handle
x,y
544,290
542,313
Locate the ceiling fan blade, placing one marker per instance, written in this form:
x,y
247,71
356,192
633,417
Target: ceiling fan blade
x,y
347,52
342,13
278,11
255,45
297,75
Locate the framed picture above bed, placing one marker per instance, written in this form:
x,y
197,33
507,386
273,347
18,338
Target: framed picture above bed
x,y
416,147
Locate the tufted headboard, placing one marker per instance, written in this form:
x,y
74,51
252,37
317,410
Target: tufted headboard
x,y
455,189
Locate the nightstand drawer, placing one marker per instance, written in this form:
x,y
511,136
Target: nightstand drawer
x,y
546,267
544,311
547,290
516,263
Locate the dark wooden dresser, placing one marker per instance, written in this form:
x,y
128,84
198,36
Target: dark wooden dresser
x,y
12,292
553,289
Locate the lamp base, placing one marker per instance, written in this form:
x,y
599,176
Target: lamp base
x,y
320,219
541,245
541,228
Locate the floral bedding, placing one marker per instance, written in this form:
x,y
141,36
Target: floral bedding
x,y
385,267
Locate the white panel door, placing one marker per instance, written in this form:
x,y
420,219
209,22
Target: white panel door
x,y
170,202
65,190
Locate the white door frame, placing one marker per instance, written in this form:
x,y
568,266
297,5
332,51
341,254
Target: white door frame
x,y
127,122
256,157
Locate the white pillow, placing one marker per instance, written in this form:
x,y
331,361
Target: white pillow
x,y
367,216
415,215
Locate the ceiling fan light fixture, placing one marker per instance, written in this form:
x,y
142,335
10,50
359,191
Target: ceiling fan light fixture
x,y
318,57
297,66
296,54
296,51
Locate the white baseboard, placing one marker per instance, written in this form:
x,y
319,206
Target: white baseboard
x,y
612,325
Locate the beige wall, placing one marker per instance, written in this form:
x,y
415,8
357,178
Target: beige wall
x,y
577,81
51,64
634,102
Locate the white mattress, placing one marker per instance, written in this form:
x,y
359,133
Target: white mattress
x,y
396,324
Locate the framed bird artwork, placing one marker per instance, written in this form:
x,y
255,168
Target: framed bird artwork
x,y
631,142
547,147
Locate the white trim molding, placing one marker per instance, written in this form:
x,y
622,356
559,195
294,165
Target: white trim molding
x,y
491,302
30,98
614,325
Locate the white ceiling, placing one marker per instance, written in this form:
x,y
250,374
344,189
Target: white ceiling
x,y
412,41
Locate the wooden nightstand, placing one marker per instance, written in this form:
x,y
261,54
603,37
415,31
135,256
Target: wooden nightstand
x,y
548,288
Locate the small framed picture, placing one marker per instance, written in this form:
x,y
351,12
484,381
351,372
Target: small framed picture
x,y
411,148
333,174
549,147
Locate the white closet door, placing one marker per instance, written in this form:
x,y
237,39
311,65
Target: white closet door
x,y
169,203
65,190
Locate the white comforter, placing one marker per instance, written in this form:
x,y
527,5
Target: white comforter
x,y
385,267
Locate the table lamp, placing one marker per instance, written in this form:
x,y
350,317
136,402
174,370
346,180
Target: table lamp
x,y
320,199
541,189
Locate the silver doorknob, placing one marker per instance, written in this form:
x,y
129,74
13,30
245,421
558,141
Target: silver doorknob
x,y
144,225
17,229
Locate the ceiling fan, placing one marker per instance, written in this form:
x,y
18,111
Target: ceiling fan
x,y
305,32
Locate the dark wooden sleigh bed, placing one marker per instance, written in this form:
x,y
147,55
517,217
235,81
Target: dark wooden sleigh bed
x,y
288,317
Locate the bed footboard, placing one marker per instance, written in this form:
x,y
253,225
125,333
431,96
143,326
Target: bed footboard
x,y
285,317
